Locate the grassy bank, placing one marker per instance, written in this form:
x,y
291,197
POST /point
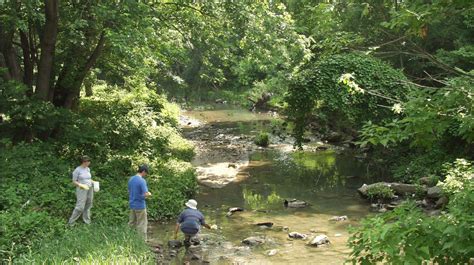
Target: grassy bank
x,y
91,244
119,130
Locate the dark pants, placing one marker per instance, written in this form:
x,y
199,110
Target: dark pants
x,y
190,236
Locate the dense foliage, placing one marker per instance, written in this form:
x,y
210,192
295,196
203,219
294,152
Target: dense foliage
x,y
426,125
251,49
428,116
320,93
81,77
407,235
119,130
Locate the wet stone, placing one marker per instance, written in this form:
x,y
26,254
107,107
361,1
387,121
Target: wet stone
x,y
319,241
253,241
391,206
297,235
265,224
441,202
434,192
272,252
175,243
294,203
234,210
339,218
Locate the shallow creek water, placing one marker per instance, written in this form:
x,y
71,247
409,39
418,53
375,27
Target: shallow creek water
x,y
326,179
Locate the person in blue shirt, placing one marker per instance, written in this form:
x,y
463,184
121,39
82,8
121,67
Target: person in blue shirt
x,y
190,221
138,192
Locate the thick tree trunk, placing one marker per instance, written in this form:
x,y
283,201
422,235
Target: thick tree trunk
x,y
47,44
9,55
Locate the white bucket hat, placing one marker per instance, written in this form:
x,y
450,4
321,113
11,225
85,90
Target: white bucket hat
x,y
192,204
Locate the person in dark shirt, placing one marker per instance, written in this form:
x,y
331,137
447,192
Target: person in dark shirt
x,y
190,221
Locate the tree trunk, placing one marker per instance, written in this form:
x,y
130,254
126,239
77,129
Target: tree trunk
x,y
67,93
9,55
27,60
6,74
47,45
88,82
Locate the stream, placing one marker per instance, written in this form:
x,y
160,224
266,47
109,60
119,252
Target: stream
x,y
234,172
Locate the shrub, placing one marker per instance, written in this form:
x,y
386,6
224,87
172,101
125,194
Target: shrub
x,y
262,139
458,174
406,235
175,184
380,192
26,118
24,227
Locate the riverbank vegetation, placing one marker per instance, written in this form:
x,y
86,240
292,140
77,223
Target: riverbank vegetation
x,y
412,111
118,130
394,78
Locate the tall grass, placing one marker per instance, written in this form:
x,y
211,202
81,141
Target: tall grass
x,y
91,244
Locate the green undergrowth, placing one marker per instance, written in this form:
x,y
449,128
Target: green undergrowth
x,y
119,130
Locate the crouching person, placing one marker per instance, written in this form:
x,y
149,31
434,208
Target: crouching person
x,y
190,221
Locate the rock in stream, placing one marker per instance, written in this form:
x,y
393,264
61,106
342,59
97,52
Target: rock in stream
x,y
234,210
253,241
297,235
294,203
319,240
339,218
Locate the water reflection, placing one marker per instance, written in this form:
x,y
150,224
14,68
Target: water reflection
x,y
257,201
312,172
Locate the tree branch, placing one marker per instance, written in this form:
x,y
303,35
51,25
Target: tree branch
x,y
436,61
96,53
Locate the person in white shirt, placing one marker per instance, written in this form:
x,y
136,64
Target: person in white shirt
x,y
82,179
